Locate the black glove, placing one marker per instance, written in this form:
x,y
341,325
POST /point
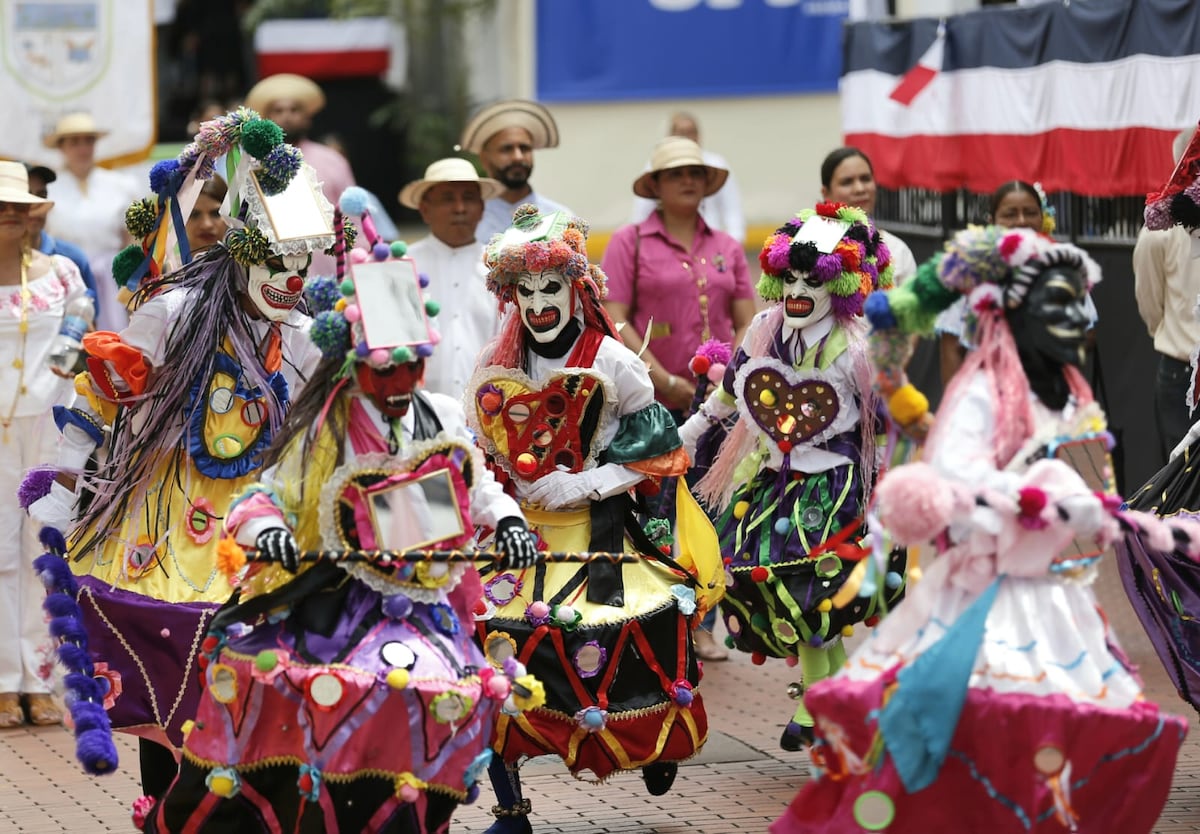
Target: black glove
x,y
280,546
515,542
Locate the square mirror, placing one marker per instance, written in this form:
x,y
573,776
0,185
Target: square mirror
x,y
294,213
389,298
416,514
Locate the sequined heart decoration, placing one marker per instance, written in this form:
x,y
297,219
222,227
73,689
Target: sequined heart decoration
x,y
789,412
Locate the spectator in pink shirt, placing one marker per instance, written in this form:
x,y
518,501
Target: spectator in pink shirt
x,y
674,274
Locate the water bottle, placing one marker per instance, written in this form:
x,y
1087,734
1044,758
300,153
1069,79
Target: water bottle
x,y
66,353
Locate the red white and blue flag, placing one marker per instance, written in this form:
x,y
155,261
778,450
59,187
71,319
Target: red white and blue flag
x,y
1081,97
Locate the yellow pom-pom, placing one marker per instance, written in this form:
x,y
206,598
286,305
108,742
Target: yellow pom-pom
x,y
530,684
231,558
741,508
221,785
187,727
914,575
908,405
847,631
825,606
339,305
398,678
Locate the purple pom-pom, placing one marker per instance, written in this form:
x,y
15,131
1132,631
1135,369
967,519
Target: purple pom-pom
x,y
75,657
472,795
55,573
846,306
878,310
89,715
96,752
36,484
362,350
84,686
282,163
827,268
715,351
683,696
322,293
354,201
423,279
381,251
60,605
69,629
162,177
397,606
52,539
425,350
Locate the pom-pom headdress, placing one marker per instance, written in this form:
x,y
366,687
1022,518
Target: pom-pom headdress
x,y
260,168
1178,202
854,266
373,310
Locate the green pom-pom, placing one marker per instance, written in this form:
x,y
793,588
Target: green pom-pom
x,y
347,287
402,355
769,287
260,137
911,315
399,249
141,218
845,285
929,288
266,660
432,308
126,263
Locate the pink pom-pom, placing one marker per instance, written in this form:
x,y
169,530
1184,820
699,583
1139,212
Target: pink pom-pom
x,y
409,794
791,660
915,503
352,313
142,806
359,256
165,633
716,372
498,687
434,336
380,357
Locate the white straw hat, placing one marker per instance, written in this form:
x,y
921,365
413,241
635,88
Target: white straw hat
x,y
529,115
678,152
287,86
14,185
73,124
453,169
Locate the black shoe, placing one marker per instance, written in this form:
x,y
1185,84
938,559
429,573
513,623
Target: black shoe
x,y
796,737
659,777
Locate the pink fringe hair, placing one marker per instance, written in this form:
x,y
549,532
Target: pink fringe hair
x,y
996,357
508,348
716,488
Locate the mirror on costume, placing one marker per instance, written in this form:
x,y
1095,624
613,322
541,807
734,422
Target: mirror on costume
x,y
294,213
389,299
417,513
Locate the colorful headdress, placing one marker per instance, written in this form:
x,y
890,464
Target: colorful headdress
x,y
260,169
537,242
374,310
1178,202
851,265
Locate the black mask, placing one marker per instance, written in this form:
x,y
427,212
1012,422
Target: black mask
x,y
1050,329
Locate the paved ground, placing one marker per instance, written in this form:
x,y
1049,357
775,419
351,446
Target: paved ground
x,y
741,782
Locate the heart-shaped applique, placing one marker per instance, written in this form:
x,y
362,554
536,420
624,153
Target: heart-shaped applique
x,y
789,411
534,430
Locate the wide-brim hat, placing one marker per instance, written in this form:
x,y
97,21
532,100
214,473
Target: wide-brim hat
x,y
14,185
73,124
286,86
678,152
452,169
494,118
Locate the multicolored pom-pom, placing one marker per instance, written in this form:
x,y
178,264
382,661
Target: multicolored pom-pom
x,y
141,218
248,246
281,164
321,293
330,332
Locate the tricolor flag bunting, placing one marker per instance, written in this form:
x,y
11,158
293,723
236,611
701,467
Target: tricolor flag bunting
x,y
323,48
1082,97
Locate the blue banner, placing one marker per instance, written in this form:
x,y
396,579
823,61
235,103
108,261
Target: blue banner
x,y
611,50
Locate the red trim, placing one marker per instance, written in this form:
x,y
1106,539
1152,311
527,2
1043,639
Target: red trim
x,y
912,83
324,65
585,350
1096,163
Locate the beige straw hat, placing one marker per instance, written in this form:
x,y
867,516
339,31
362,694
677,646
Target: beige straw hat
x,y
73,124
678,152
453,169
14,184
505,114
289,86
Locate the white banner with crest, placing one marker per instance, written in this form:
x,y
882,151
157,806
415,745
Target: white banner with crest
x,y
68,56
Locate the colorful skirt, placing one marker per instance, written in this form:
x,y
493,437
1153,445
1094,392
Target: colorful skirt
x,y
778,595
337,709
611,644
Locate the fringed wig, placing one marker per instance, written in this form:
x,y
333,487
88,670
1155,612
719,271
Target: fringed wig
x,y
994,268
533,244
1178,202
857,265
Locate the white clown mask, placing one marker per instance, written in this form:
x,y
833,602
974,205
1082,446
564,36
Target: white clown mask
x,y
276,285
805,300
544,300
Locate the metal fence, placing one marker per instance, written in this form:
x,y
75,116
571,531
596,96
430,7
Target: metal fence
x,y
1085,220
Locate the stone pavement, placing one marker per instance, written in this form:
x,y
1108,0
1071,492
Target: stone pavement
x,y
741,782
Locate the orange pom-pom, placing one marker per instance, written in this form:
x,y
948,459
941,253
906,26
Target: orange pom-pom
x,y
231,558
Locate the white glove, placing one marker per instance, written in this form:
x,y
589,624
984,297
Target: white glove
x,y
54,509
714,409
75,449
1191,437
570,490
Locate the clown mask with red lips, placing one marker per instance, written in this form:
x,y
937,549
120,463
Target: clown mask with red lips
x,y
390,388
275,287
805,300
546,302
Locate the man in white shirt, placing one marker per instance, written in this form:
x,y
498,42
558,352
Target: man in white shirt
x,y
504,136
722,210
450,199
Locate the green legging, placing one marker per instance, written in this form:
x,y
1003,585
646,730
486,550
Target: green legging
x,y
817,665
